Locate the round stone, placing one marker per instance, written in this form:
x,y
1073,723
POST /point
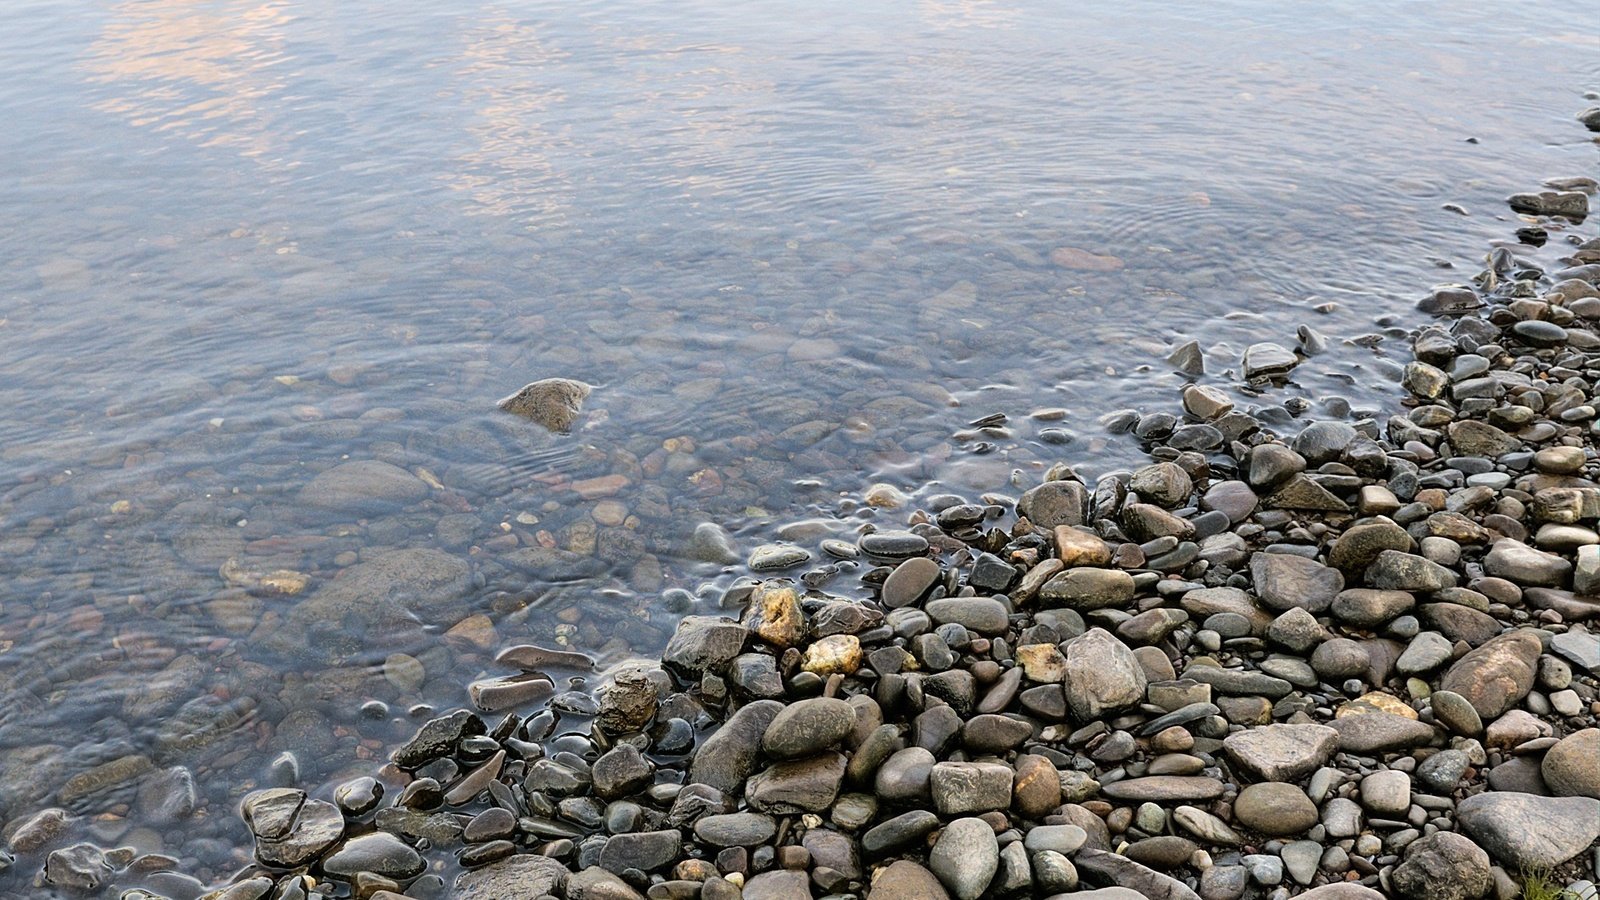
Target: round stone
x,y
1275,808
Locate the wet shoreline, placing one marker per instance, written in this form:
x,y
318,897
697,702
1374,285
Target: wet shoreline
x,y
1258,576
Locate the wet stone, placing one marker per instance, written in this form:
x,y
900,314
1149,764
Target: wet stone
x,y
777,557
909,581
808,727
893,544
735,829
379,853
437,738
522,875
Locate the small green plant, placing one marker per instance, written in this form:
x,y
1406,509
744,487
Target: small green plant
x,y
1538,885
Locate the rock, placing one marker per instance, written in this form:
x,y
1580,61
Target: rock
x,y
521,876
1062,839
970,787
836,653
711,543
1441,772
1275,809
437,738
620,771
1470,437
80,867
291,830
1519,563
1296,629
1054,503
1267,360
965,857
1342,891
627,700
1085,589
1273,464
1043,663
1528,832
1164,788
1281,752
779,884
909,581
509,691
593,883
1427,651
1164,484
1572,767
552,402
1442,866
904,776
1380,732
1323,442
1102,675
702,645
1367,608
1283,581
1386,793
1208,403
1393,570
1572,204
777,557
735,829
806,785
1581,648
1455,713
363,487
983,615
1121,872
808,727
642,850
1080,547
380,853
1497,675
905,880
728,756
1036,791
1359,546
395,587
774,615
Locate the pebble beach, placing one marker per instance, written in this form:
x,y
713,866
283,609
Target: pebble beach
x,y
1282,656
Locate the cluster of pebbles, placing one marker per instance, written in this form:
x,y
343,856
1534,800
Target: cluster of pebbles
x,y
1352,663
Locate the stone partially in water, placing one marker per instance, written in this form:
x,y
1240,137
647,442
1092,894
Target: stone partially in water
x,y
81,867
313,828
552,402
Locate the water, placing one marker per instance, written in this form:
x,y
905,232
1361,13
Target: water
x,y
796,255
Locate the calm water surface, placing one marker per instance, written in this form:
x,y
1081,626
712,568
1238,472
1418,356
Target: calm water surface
x,y
796,253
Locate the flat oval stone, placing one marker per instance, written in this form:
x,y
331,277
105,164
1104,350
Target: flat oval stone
x,y
984,615
735,829
893,544
776,557
380,853
909,581
1160,788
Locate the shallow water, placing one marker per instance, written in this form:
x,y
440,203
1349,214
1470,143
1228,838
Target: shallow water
x,y
249,241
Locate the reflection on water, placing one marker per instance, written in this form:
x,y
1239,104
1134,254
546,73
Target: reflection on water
x,y
270,266
198,68
510,77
